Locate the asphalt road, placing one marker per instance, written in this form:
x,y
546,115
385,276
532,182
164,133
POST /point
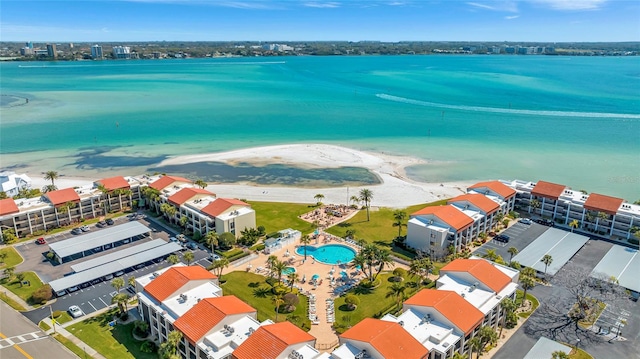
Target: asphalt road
x,y
520,236
20,339
586,259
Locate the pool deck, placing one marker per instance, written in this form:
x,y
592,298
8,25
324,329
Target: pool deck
x,y
326,337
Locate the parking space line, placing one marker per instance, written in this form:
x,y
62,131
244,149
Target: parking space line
x,y
103,301
94,308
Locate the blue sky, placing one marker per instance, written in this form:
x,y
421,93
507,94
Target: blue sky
x,y
296,20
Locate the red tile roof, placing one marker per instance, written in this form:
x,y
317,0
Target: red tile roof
x,y
114,183
448,214
498,187
208,313
270,341
220,205
602,203
480,269
390,339
479,200
173,279
8,206
62,196
548,189
165,181
186,194
451,305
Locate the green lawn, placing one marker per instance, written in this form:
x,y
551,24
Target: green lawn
x,y
244,286
112,342
12,259
44,326
64,318
534,302
12,303
579,354
275,216
23,291
373,303
71,346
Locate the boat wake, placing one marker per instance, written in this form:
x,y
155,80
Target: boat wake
x,y
508,110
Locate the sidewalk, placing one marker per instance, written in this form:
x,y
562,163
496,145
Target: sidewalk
x,y
19,300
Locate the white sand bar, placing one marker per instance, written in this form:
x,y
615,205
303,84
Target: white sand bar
x,y
396,190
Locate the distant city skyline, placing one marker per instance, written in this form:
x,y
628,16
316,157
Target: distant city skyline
x,y
293,20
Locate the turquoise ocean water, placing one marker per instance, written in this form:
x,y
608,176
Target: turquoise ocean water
x,y
571,120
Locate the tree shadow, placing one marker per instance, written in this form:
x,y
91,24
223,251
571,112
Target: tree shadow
x,y
362,290
262,292
253,285
344,224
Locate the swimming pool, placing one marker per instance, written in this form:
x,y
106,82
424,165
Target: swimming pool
x,y
288,270
329,253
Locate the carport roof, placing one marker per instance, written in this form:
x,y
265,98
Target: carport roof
x,y
112,267
622,263
133,250
96,239
561,245
545,347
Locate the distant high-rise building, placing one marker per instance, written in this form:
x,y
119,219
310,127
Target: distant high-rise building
x,y
51,51
96,52
29,44
71,45
121,52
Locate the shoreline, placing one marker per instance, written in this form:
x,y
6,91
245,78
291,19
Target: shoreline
x,y
396,190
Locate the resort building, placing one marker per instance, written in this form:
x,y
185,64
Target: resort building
x,y
96,52
379,339
203,210
497,191
281,340
600,214
62,207
11,183
482,283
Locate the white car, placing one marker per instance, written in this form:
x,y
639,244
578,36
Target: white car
x,y
85,228
75,311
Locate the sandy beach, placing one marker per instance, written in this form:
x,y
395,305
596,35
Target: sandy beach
x,y
395,190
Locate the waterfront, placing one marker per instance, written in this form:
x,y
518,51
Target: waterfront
x,y
569,120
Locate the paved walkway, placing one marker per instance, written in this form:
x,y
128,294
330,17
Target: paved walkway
x,y
18,300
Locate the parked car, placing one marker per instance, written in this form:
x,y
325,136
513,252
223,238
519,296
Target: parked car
x,y
119,273
75,311
182,238
101,224
61,293
108,277
76,231
502,238
84,285
214,257
85,228
173,239
526,221
75,288
192,245
41,240
110,221
96,281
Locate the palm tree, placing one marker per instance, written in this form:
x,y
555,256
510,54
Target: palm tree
x,y
458,355
131,281
105,193
601,216
383,259
49,188
508,306
547,259
399,217
512,251
420,268
350,233
574,224
169,349
535,204
396,290
9,273
51,176
355,200
491,254
476,345
117,283
200,183
293,278
277,300
219,265
277,268
526,283
559,354
366,195
173,259
487,335
211,238
305,240
499,217
121,299
188,257
319,197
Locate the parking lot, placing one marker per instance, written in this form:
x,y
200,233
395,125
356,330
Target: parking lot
x,y
520,236
96,295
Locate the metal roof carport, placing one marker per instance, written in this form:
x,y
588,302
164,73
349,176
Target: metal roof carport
x,y
112,267
622,263
97,239
561,245
117,255
545,347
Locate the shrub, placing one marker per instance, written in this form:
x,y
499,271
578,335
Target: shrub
x,y
148,347
141,328
197,236
352,301
634,241
50,255
124,316
291,300
57,313
42,294
400,272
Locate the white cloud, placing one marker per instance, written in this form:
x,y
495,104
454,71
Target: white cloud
x,y
572,4
323,5
512,17
506,6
